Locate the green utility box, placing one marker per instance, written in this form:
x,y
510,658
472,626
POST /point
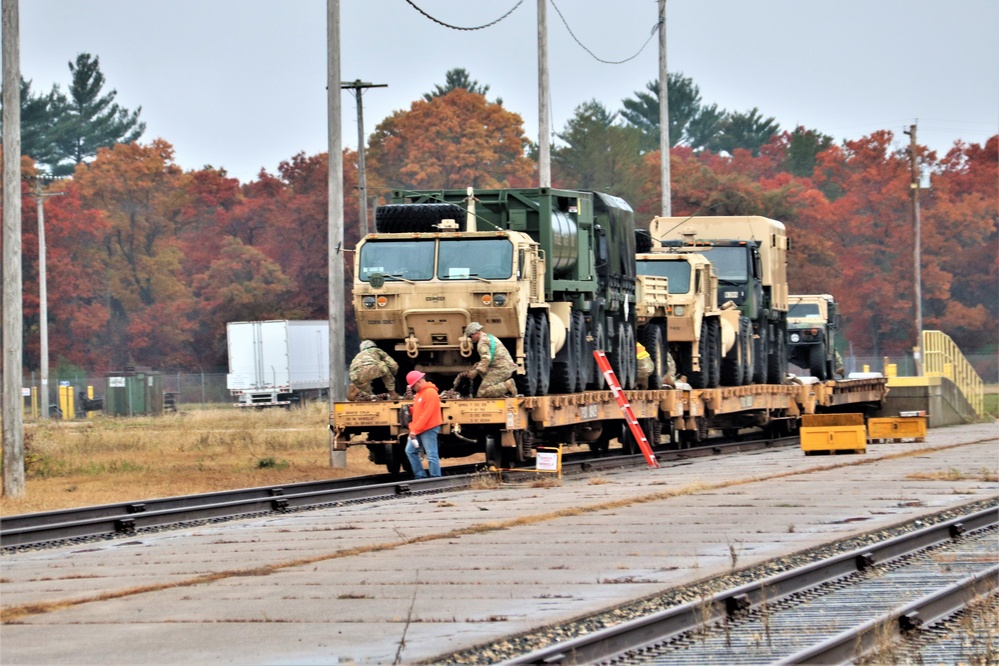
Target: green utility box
x,y
133,392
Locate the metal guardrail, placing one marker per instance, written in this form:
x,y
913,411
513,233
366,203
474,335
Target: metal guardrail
x,y
943,358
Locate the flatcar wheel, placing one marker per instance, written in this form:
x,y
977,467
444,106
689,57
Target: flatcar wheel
x,y
494,452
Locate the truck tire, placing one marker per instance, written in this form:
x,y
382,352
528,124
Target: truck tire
x,y
761,352
777,360
527,383
746,339
654,341
733,363
817,361
418,218
715,355
566,366
597,380
543,343
630,356
584,357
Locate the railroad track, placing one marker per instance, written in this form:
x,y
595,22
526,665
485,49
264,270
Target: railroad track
x,y
127,518
831,611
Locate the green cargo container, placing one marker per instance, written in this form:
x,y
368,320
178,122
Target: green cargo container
x,y
133,392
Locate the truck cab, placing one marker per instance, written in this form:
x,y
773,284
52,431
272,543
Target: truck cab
x,y
812,322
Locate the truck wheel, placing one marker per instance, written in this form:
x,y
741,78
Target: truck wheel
x,y
565,367
746,339
653,339
527,383
817,361
629,358
597,380
734,361
423,217
543,343
761,351
777,361
582,359
715,357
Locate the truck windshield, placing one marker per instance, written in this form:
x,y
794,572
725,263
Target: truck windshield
x,y
677,272
730,262
409,260
488,258
804,311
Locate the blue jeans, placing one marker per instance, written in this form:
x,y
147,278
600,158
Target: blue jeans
x,y
428,442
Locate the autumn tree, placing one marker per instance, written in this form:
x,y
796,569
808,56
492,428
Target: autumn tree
x,y
455,140
140,191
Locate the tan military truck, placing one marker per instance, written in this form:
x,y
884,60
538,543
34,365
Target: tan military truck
x,y
812,322
749,254
710,344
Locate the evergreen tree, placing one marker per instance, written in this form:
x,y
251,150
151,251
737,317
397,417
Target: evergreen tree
x,y
40,115
744,130
458,78
599,154
91,120
803,147
642,112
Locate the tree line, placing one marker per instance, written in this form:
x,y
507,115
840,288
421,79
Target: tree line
x,y
147,262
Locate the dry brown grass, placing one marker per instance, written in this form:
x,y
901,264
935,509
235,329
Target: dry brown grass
x,y
952,474
107,460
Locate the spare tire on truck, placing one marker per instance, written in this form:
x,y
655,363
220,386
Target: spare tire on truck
x,y
417,218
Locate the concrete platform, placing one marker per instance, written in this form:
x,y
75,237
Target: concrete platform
x,y
418,576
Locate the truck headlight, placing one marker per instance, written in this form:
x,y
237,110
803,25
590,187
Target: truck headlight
x,y
369,301
678,310
499,300
795,337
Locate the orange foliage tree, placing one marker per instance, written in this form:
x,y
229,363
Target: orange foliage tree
x,y
451,141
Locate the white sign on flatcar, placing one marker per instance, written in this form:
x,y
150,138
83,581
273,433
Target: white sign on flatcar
x,y
116,382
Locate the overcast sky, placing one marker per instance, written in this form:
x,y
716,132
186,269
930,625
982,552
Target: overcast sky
x,y
240,84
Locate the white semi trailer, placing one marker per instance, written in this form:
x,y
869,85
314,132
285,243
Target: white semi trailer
x,y
276,363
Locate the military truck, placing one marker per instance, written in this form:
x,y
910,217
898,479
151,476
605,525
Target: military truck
x,y
749,253
812,322
711,345
550,272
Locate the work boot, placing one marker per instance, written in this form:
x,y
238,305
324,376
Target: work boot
x,y
511,386
393,394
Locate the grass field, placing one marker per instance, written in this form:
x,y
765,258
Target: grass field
x,y
106,460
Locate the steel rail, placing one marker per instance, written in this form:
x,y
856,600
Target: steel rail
x,y
659,626
128,517
848,645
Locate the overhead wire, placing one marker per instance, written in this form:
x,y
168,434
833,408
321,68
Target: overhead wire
x,y
652,34
458,27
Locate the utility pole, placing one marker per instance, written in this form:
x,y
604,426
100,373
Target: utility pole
x,y
914,185
13,314
337,312
43,299
358,87
544,131
664,169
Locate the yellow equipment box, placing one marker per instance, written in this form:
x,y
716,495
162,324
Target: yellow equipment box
x,y
897,428
833,433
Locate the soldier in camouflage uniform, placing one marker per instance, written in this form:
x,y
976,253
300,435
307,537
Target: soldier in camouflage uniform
x,y
646,366
495,364
370,364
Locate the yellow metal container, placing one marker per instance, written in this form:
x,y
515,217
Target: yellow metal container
x,y
897,428
830,433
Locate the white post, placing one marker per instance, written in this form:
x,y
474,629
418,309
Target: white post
x,y
544,131
664,170
337,389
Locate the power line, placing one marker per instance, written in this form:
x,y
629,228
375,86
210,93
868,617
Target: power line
x,y
652,34
458,27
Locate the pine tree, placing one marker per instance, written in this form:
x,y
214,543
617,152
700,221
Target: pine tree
x,y
40,114
91,120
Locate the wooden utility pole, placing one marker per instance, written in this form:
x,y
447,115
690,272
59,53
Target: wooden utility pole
x,y
664,169
917,251
358,87
43,294
544,131
13,315
337,313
